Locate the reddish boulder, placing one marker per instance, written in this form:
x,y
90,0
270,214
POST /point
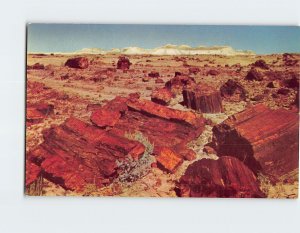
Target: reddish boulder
x,y
202,98
161,96
159,80
194,70
78,63
233,91
177,83
104,117
123,63
213,72
226,177
168,160
36,66
254,74
153,74
261,64
266,140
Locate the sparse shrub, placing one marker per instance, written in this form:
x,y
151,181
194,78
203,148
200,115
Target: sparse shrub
x,y
131,170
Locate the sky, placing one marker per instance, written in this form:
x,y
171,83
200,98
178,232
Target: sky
x,y
72,37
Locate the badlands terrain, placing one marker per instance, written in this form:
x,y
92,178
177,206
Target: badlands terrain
x,y
159,124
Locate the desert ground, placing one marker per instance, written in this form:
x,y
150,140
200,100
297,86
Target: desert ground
x,y
162,126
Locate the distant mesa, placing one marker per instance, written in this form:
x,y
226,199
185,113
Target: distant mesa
x,y
168,49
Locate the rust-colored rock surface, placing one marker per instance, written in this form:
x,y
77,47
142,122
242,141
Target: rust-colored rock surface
x,y
32,173
78,63
177,83
266,140
105,117
233,91
153,74
36,66
254,74
123,63
75,154
161,96
168,160
35,113
163,126
261,64
202,98
225,177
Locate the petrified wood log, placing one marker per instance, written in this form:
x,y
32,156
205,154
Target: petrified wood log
x,y
233,91
123,63
161,96
177,83
78,63
168,160
35,113
266,140
202,98
225,177
32,173
75,154
254,74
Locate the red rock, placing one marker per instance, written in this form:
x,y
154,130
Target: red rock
x,y
35,113
161,96
283,91
177,83
266,140
209,150
194,70
78,63
254,74
75,154
36,66
292,82
159,123
225,177
104,117
168,160
123,63
273,84
233,91
153,74
261,64
213,72
32,173
202,98
159,80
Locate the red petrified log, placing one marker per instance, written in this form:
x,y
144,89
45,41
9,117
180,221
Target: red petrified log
x,y
233,91
123,63
202,98
225,177
177,83
261,64
75,154
168,160
78,62
161,96
153,74
266,140
36,66
35,113
254,74
104,117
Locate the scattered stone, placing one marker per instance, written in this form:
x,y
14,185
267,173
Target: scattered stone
x,y
159,80
213,72
254,74
193,70
273,84
283,91
78,63
123,63
36,66
153,74
233,91
261,64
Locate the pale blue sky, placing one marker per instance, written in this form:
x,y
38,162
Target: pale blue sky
x,y
72,37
